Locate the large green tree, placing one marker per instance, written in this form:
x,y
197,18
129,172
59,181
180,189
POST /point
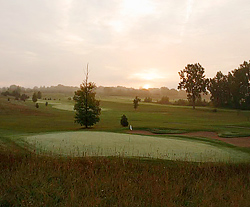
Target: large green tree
x,y
193,81
86,106
232,90
239,83
219,90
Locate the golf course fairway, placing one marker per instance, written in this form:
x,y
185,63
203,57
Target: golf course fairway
x,y
115,144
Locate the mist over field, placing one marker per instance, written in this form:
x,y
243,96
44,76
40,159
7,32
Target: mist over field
x,y
124,103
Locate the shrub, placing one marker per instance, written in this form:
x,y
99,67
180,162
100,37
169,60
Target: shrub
x,y
148,100
37,105
164,100
24,97
214,110
124,121
181,102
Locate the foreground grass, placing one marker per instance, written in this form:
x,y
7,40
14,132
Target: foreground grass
x,y
30,180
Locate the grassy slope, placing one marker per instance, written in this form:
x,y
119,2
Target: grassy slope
x,y
162,116
29,180
19,117
24,117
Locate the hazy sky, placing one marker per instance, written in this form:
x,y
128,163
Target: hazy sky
x,y
133,43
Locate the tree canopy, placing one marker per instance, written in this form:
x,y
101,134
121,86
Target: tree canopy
x,y
193,81
232,90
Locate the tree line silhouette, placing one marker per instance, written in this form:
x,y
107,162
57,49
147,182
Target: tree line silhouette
x,y
231,91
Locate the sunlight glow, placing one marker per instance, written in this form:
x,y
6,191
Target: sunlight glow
x,y
146,86
151,74
137,7
117,25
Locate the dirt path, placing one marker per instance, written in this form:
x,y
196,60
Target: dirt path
x,y
237,141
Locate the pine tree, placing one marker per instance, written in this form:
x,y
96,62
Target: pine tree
x,y
86,106
34,97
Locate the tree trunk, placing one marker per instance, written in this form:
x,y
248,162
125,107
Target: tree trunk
x,y
193,102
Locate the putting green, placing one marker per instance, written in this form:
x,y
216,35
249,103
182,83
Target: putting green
x,y
114,144
68,107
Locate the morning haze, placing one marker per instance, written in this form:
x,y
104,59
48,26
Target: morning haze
x,y
132,43
124,103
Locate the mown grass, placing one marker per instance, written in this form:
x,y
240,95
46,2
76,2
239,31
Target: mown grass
x,y
127,145
174,118
24,117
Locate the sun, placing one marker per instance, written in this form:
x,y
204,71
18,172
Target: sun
x,y
146,86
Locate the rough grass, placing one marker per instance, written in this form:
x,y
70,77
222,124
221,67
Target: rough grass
x,y
232,134
28,180
116,144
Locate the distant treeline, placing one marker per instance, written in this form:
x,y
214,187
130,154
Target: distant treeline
x,y
52,89
154,93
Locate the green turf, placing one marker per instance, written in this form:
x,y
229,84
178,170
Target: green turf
x,y
117,144
23,118
30,180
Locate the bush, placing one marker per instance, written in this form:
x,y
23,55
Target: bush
x,y
124,121
24,97
37,105
199,102
6,93
148,100
214,110
181,102
164,100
